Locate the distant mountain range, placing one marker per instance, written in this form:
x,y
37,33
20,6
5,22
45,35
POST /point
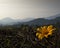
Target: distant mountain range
x,y
45,21
10,21
53,17
31,21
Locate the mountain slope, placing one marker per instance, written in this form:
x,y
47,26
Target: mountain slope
x,y
53,17
31,21
10,21
42,21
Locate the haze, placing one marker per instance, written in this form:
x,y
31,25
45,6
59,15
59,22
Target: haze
x,y
21,9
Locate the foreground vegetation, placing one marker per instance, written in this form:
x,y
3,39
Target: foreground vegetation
x,y
25,36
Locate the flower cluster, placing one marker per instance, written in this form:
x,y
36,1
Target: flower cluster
x,y
44,31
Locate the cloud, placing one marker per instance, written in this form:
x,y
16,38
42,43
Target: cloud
x,y
28,8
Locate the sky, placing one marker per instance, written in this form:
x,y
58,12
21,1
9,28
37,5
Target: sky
x,y
22,9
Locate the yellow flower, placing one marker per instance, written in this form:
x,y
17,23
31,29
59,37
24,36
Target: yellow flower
x,y
37,34
44,31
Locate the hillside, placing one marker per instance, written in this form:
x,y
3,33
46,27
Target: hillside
x,y
31,21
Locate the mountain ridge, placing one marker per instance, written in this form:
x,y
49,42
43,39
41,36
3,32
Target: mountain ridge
x,y
53,17
30,21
